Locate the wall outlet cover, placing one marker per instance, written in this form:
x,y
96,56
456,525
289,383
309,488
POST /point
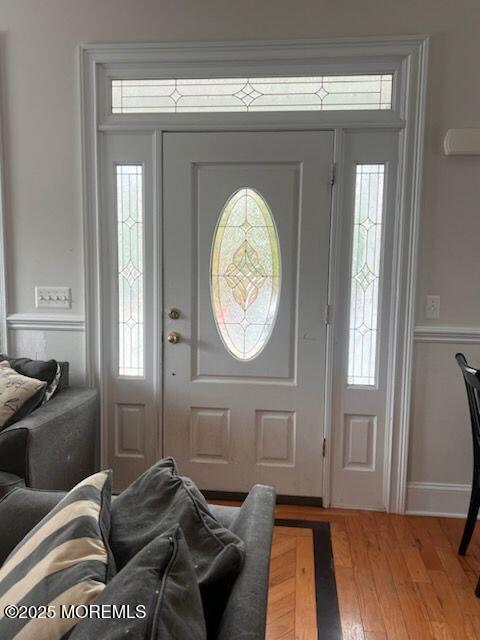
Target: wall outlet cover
x,y
432,308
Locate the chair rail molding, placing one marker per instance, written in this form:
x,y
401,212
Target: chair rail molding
x,y
447,334
45,322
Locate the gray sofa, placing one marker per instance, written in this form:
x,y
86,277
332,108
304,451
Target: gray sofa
x,y
244,617
56,445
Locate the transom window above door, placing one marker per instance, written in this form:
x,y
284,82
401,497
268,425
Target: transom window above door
x,y
292,93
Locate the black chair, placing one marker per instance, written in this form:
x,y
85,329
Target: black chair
x,y
471,377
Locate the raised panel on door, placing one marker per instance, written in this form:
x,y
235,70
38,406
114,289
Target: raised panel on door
x,y
240,410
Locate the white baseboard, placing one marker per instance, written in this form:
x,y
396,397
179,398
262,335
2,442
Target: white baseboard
x,y
438,499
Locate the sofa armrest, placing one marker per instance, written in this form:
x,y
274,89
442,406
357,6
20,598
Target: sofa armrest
x,y
56,446
23,509
245,615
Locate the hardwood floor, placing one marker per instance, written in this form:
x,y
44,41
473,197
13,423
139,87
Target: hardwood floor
x,y
291,594
398,577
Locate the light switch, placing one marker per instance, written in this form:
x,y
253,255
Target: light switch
x,y
53,297
432,309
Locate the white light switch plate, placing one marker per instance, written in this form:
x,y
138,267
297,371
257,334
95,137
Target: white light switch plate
x,y
53,297
432,308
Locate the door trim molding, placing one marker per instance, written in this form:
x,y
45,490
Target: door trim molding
x,y
406,57
405,268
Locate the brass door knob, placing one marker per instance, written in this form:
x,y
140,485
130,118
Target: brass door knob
x,y
174,314
173,337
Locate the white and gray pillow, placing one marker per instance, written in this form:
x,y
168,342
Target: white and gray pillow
x,y
65,559
48,371
157,593
53,385
19,394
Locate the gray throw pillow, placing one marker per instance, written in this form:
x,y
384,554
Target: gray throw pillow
x,y
161,499
154,597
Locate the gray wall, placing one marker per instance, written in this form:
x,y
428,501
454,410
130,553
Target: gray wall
x,y
41,104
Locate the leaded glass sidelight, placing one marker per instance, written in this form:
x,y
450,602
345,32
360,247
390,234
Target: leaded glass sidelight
x,y
365,275
129,180
245,274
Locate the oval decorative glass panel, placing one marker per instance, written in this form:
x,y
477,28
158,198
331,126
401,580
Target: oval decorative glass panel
x,y
245,274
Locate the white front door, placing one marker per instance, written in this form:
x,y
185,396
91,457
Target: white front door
x,y
246,254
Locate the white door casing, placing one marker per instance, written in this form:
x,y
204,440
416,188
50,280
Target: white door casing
x,y
232,423
406,57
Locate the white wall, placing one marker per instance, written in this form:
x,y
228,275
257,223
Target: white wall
x,y
44,227
440,460
44,344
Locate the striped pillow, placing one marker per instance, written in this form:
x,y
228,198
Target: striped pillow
x,y
64,560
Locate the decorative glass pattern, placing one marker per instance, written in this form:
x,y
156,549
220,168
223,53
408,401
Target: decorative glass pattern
x,y
130,269
365,277
318,93
245,274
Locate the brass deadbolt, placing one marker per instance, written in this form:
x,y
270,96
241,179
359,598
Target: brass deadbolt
x,y
174,314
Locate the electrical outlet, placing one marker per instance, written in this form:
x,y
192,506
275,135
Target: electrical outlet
x,y
432,309
53,297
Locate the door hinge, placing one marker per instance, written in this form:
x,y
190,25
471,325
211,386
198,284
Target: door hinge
x,y
328,314
333,174
324,447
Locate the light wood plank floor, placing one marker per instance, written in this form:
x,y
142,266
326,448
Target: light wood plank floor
x,y
398,577
291,595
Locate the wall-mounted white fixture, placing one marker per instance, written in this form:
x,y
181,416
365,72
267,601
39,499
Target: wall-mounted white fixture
x,y
462,142
53,297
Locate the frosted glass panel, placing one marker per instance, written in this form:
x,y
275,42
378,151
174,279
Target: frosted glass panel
x,y
245,274
365,277
318,93
130,269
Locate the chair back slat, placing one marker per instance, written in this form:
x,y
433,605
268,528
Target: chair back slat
x,y
471,377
